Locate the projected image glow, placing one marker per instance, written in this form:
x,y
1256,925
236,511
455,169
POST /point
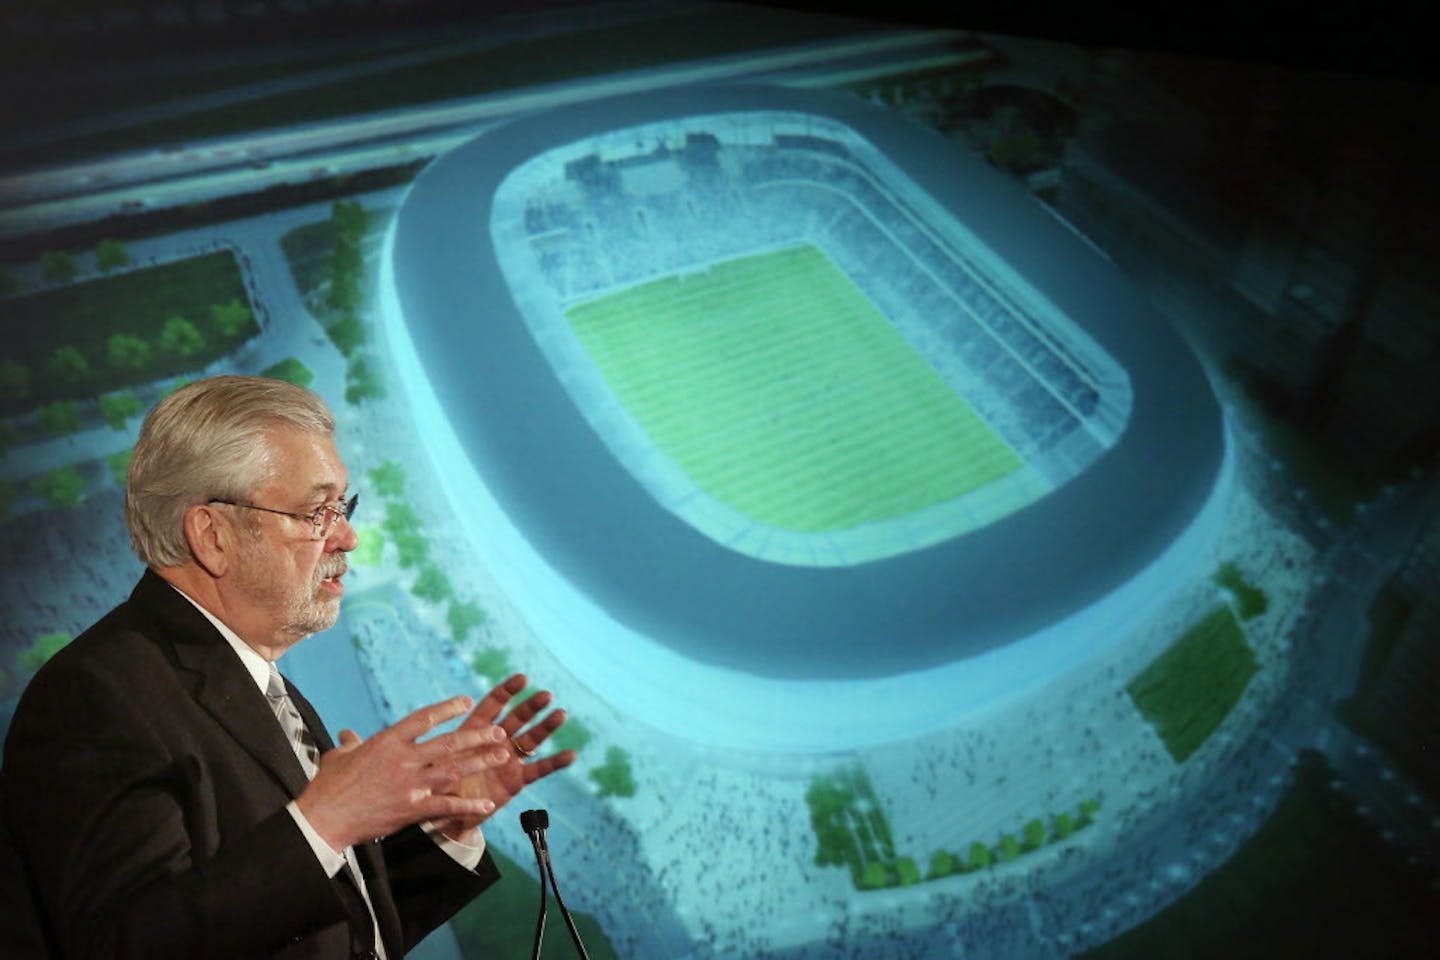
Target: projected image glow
x,y
876,637
958,520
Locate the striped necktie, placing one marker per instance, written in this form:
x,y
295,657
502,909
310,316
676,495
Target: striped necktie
x,y
295,730
309,756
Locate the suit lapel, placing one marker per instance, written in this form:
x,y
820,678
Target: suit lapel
x,y
220,683
223,687
369,855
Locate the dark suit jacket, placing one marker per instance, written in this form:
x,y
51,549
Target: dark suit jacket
x,y
145,786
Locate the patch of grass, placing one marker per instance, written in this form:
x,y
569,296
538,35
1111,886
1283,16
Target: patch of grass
x,y
782,391
86,316
1188,690
1250,600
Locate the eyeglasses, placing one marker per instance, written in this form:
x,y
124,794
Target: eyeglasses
x,y
322,521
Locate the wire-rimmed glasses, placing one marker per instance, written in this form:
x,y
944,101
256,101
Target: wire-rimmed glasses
x,y
322,521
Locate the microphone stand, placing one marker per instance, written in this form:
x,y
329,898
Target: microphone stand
x,y
535,822
532,830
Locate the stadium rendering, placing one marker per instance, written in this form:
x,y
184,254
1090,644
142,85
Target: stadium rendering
x,y
754,392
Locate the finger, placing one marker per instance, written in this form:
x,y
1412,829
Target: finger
x,y
444,774
525,711
459,741
545,766
532,739
349,738
490,708
427,718
447,806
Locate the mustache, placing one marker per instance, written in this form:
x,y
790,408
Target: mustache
x,y
333,569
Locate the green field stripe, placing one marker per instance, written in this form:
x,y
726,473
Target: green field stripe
x,y
779,388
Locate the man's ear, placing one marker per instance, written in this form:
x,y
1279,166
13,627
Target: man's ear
x,y
211,538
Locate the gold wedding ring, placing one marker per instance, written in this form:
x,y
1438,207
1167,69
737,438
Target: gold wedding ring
x,y
520,751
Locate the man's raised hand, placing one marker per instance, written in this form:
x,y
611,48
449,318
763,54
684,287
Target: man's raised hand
x,y
370,788
498,784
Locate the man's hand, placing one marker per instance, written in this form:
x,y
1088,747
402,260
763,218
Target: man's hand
x,y
498,784
369,788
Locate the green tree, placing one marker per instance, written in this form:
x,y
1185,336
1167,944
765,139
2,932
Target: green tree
x,y
230,319
400,518
1009,847
41,649
362,381
432,585
68,365
1064,826
124,351
351,221
981,856
347,333
907,871
574,735
873,876
291,370
492,663
411,548
343,294
1088,809
14,380
388,479
119,407
111,255
119,466
464,616
1034,835
57,266
403,525
61,487
942,864
831,800
614,777
60,418
180,338
347,264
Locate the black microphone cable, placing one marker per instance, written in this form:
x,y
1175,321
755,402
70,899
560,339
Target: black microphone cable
x,y
555,887
533,829
535,822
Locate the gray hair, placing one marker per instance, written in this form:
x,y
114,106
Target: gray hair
x,y
206,441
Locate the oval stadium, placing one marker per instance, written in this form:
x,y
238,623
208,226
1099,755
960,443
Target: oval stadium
x,y
773,387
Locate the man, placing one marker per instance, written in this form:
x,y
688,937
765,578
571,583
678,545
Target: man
x,y
161,783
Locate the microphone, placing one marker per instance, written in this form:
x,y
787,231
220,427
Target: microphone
x,y
534,822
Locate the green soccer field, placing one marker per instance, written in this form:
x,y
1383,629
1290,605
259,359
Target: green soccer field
x,y
781,391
